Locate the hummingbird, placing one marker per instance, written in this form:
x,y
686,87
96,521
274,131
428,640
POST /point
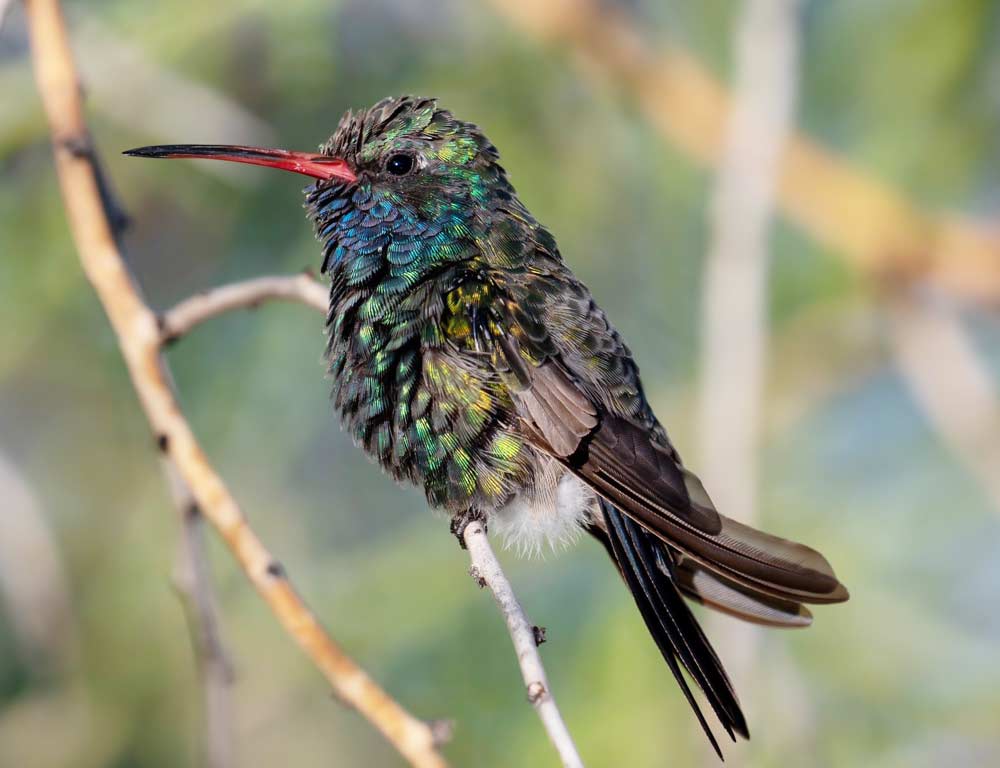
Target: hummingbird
x,y
469,360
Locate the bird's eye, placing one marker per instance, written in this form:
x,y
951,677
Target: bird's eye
x,y
399,164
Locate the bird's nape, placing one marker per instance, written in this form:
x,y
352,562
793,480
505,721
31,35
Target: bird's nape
x,y
317,166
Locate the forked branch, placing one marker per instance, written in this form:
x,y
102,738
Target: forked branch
x,y
139,337
142,334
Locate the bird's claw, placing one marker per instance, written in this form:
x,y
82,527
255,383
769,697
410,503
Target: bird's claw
x,y
462,520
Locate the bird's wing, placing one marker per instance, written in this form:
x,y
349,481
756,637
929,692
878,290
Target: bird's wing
x,y
709,588
577,392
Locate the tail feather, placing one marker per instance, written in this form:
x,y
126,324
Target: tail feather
x,y
715,591
648,572
621,462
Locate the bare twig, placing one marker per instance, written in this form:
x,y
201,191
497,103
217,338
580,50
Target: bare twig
x,y
192,576
139,337
246,294
858,216
486,571
193,582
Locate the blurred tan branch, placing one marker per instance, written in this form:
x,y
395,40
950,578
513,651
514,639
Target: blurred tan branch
x,y
138,334
193,582
246,294
858,216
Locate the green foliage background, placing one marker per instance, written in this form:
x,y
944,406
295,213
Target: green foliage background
x,y
905,674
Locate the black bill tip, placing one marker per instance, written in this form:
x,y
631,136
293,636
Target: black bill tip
x,y
176,150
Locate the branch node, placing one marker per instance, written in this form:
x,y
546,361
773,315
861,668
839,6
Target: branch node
x,y
462,520
276,570
163,442
539,633
536,692
79,146
442,731
477,577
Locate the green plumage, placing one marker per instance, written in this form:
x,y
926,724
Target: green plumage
x,y
467,359
427,272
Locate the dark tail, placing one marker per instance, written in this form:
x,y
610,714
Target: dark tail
x,y
648,569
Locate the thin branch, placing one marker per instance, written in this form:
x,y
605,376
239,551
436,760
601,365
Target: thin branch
x,y
138,333
861,217
192,576
193,582
246,294
487,572
183,317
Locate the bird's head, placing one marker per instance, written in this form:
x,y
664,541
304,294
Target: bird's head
x,y
402,170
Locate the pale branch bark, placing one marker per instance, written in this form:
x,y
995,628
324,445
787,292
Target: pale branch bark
x,y
487,572
138,333
857,215
246,294
485,567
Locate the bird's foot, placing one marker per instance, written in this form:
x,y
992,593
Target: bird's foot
x,y
461,521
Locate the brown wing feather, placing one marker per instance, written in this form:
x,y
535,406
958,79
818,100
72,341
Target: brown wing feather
x,y
577,391
626,467
561,412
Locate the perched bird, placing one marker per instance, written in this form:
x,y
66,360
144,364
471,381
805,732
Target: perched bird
x,y
469,360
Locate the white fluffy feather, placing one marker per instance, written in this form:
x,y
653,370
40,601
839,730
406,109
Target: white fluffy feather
x,y
552,515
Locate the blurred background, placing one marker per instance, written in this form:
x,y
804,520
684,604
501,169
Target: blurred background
x,y
810,286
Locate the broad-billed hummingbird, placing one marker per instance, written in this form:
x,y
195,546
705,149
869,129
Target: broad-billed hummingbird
x,y
469,360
